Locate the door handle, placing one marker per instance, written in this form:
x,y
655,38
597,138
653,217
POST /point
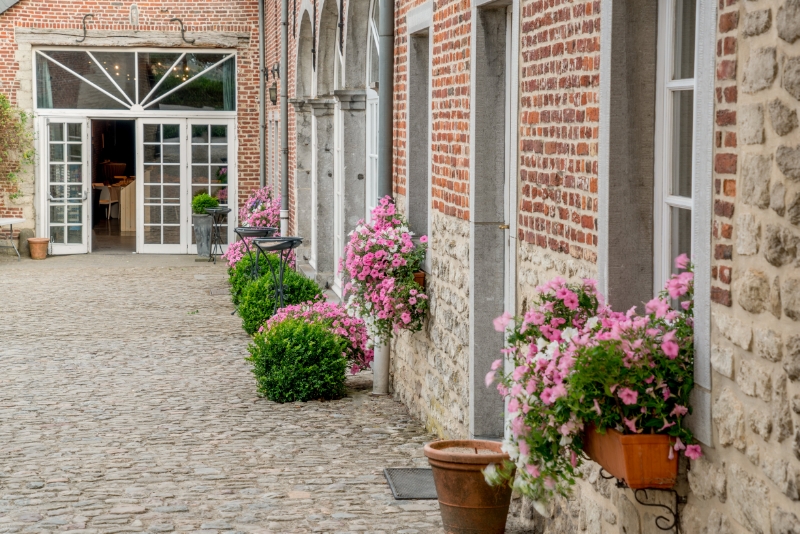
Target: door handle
x,y
504,226
85,195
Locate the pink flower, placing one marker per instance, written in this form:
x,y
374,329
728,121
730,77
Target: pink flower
x,y
631,424
666,425
571,301
405,317
489,378
597,407
524,449
532,470
660,307
502,322
496,364
681,262
678,410
669,346
694,452
628,396
423,239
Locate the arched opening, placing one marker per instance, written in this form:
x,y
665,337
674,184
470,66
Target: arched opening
x,y
327,54
302,87
303,140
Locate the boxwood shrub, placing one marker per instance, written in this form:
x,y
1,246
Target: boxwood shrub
x,y
257,302
239,275
297,360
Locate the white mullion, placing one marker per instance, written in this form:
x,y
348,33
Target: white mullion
x,y
215,65
686,84
104,71
157,85
136,76
679,202
84,79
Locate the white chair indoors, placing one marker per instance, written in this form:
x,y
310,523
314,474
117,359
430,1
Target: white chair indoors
x,y
107,201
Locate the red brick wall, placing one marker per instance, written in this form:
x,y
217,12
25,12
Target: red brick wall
x,y
559,122
154,15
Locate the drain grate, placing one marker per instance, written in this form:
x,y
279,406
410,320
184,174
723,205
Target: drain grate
x,y
410,482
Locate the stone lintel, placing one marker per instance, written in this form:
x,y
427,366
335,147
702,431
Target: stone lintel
x,y
132,38
299,105
322,106
352,99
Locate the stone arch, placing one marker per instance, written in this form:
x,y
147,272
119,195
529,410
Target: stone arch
x,y
303,83
327,47
355,46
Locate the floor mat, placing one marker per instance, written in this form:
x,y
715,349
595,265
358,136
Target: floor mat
x,y
410,482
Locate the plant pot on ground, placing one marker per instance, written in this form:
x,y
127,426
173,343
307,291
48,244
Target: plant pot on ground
x,y
38,246
641,460
203,222
467,503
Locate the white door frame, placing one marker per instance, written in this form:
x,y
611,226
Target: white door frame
x,y
43,189
338,197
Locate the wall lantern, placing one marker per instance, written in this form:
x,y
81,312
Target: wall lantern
x,y
273,93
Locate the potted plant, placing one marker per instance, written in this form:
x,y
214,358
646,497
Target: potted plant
x,y
203,222
582,380
381,261
260,210
467,503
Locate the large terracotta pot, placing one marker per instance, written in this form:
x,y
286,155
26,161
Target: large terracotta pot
x,y
38,246
641,460
468,504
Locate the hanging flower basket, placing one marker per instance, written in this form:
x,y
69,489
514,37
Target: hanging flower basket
x,y
641,460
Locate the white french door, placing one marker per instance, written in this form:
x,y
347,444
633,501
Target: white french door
x,y
371,185
161,178
67,182
177,159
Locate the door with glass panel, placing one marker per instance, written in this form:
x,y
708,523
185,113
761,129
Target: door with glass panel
x,y
66,156
210,164
162,214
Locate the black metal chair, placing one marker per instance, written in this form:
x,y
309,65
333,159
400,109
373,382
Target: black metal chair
x,y
283,246
217,215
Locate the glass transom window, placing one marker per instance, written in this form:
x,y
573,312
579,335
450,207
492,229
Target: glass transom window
x,y
136,81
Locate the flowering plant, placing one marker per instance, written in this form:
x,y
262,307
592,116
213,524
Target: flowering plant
x,y
381,260
261,209
573,363
335,317
222,175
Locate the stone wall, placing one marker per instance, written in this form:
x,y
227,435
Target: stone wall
x,y
429,368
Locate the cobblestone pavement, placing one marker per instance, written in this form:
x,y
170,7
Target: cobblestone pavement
x,y
126,406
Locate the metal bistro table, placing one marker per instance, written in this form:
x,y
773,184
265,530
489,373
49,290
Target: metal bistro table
x,y
11,222
217,215
251,232
283,246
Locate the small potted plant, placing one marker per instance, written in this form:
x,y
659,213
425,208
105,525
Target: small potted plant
x,y
203,222
582,380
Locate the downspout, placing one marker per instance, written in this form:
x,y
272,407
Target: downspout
x,y
381,362
262,86
285,117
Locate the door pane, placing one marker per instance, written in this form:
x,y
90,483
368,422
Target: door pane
x,y
683,53
65,187
210,168
682,137
68,91
162,203
214,90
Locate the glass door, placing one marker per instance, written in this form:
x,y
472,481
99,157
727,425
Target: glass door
x,y
163,213
372,152
211,160
66,155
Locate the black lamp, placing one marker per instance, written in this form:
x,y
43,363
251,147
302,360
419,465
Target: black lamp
x,y
273,93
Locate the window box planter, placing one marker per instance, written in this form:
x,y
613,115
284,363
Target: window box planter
x,y
641,460
419,278
467,503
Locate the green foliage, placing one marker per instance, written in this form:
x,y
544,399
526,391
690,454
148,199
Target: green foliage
x,y
298,361
257,302
241,274
201,201
16,143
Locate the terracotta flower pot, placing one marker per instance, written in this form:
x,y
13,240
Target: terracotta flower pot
x,y
641,460
38,246
468,504
419,278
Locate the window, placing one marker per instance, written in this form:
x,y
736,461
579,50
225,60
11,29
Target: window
x,y
674,167
134,81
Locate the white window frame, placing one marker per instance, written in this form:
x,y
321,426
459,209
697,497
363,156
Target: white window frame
x,y
700,204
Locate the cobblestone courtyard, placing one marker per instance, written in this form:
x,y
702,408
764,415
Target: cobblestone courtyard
x,y
126,406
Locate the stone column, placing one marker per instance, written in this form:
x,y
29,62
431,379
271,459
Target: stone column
x,y
353,105
302,178
323,147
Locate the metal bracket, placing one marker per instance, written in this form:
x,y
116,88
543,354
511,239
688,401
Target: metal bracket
x,y
670,521
183,31
86,16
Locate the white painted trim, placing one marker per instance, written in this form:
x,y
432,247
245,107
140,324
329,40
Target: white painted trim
x,y
159,82
420,18
604,144
35,85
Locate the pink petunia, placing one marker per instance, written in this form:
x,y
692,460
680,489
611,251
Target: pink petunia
x,y
423,239
658,306
669,346
532,470
571,301
496,364
628,396
524,449
694,452
682,261
631,424
597,407
502,322
678,410
489,378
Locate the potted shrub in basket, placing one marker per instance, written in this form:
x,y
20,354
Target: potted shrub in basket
x,y
582,380
202,222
